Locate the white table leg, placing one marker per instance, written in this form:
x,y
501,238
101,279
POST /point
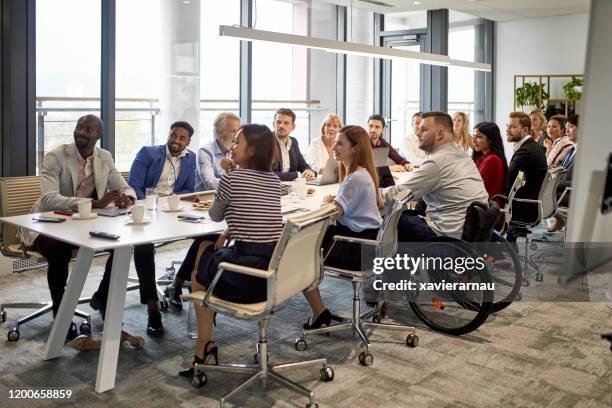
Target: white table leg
x,y
76,280
107,364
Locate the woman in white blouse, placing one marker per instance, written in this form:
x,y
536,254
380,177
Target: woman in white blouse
x,y
321,148
556,151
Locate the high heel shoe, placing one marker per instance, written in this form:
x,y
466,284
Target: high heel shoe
x,y
324,318
208,356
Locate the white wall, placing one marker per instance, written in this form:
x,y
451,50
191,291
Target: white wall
x,y
551,45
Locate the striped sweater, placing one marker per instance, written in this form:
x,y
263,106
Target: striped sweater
x,y
249,201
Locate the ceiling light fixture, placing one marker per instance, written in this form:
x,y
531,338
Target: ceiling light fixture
x,y
416,3
350,48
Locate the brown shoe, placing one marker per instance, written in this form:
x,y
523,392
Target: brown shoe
x,y
558,226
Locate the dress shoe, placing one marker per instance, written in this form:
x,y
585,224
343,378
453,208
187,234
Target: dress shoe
x,y
97,304
174,294
324,319
72,332
155,327
209,354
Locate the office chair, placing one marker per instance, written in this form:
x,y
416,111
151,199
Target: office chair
x,y
385,245
295,266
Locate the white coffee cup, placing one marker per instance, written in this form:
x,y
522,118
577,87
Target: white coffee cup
x,y
84,209
173,202
138,212
300,189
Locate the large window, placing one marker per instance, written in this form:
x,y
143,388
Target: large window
x,y
359,70
67,69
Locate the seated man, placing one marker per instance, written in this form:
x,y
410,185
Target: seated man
x,y
291,160
529,158
376,127
212,155
168,168
447,181
73,173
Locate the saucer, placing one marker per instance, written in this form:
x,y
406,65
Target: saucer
x,y
132,222
77,216
167,209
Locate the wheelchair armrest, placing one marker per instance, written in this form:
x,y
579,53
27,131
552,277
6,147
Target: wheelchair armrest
x,y
526,200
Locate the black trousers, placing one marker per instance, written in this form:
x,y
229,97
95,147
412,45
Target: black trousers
x,y
58,256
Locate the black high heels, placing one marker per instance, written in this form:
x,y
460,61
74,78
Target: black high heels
x,y
324,318
208,356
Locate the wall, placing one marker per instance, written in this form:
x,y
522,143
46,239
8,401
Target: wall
x,y
552,45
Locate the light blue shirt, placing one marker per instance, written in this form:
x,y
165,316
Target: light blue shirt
x,y
357,197
209,171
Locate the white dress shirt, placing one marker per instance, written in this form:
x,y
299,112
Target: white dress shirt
x,y
170,172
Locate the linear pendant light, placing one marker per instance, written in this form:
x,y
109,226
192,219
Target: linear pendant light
x,y
340,47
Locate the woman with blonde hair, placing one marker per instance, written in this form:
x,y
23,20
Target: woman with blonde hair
x,y
321,148
461,131
538,126
358,204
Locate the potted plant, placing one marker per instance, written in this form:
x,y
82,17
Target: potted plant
x,y
530,96
573,89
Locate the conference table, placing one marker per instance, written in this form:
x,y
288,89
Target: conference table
x,y
163,226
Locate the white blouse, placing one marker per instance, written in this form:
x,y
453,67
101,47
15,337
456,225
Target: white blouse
x,y
317,155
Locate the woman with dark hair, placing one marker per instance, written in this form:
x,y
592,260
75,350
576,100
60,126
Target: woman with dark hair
x,y
358,203
248,199
489,157
560,142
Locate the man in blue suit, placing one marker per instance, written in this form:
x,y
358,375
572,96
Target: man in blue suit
x,y
170,167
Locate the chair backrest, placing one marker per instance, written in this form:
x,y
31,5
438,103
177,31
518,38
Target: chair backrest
x,y
480,219
17,196
296,260
387,233
518,183
548,192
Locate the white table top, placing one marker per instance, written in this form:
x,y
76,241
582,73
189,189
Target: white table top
x,y
164,226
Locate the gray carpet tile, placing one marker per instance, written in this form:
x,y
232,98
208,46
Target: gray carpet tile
x,y
532,354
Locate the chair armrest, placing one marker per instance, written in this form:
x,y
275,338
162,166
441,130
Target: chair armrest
x,y
356,240
247,270
526,200
500,197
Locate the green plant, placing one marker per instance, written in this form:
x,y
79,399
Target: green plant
x,y
573,89
529,94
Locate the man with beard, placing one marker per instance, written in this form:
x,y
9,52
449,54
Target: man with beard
x,y
213,156
73,173
169,168
291,162
376,127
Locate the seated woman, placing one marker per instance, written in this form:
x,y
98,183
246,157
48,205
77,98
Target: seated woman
x,y
561,144
357,202
489,157
321,148
248,199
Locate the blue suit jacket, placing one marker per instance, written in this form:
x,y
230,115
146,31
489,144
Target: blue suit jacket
x,y
148,165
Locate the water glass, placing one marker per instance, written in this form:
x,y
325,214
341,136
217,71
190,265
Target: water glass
x,y
151,198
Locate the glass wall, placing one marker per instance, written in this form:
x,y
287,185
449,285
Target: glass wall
x,y
67,69
406,80
359,70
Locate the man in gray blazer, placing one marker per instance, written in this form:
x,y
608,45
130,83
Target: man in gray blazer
x,y
73,173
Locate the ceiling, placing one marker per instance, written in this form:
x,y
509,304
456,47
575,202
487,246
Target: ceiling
x,y
497,10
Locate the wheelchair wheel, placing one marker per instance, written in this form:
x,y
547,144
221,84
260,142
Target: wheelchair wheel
x,y
506,272
453,300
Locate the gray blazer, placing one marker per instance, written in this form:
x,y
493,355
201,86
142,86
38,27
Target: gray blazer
x,y
59,177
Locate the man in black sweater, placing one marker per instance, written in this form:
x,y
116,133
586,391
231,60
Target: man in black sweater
x,y
291,160
530,159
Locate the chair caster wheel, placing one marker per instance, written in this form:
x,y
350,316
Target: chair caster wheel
x,y
539,277
3,316
525,282
315,405
163,305
13,334
327,374
198,380
533,246
300,344
366,359
412,340
85,328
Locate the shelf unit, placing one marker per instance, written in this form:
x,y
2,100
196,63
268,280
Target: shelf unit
x,y
544,79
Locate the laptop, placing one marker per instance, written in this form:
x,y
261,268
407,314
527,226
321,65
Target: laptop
x,y
329,176
381,156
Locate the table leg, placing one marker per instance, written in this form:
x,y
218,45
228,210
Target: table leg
x,y
107,364
62,321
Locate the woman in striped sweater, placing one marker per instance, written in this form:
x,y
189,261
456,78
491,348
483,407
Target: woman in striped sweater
x,y
248,199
